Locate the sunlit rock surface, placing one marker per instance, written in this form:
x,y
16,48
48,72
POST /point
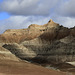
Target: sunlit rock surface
x,y
50,43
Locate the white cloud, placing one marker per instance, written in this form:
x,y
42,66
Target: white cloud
x,y
33,12
65,21
19,22
28,7
67,8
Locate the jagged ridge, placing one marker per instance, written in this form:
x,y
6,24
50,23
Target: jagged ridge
x,y
49,44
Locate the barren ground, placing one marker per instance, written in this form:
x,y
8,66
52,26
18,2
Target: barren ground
x,y
24,68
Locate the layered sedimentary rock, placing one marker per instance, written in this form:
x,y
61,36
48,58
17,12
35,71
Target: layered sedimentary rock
x,y
20,51
11,65
7,55
19,35
50,43
58,51
46,43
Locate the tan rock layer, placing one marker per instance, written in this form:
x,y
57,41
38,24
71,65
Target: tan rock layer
x,y
49,42
33,31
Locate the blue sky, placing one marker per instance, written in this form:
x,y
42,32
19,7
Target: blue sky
x,y
16,14
1,0
4,15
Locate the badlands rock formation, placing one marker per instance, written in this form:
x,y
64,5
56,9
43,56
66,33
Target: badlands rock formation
x,y
7,55
49,43
20,35
11,65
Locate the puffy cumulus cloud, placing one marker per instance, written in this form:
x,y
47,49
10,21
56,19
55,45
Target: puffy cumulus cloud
x,y
33,12
67,8
19,22
65,21
28,7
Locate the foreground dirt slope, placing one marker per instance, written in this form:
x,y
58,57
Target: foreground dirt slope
x,y
22,68
11,65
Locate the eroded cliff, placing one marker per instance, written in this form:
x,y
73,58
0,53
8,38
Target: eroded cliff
x,y
46,43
